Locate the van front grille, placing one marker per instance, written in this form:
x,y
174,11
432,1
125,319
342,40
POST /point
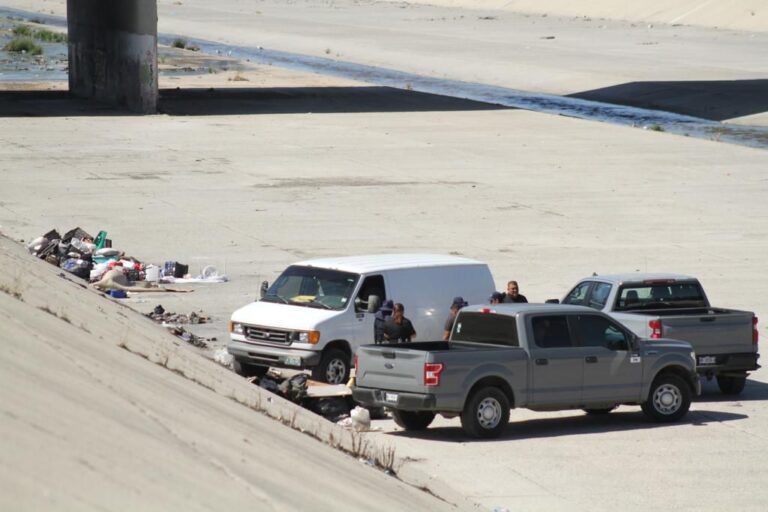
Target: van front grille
x,y
268,335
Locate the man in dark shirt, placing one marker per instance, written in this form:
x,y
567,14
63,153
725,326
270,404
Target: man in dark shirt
x,y
513,293
379,320
398,329
456,305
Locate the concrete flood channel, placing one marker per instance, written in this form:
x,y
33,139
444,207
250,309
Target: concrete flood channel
x,y
753,136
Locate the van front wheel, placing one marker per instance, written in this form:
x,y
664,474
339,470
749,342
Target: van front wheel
x,y
333,367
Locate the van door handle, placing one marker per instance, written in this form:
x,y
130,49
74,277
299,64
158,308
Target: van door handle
x,y
542,362
591,359
707,319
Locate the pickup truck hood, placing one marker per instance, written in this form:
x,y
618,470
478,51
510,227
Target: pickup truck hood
x,y
282,316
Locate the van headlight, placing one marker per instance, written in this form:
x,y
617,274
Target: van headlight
x,y
311,337
236,328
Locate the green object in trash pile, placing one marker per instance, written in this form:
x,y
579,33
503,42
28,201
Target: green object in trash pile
x,y
101,240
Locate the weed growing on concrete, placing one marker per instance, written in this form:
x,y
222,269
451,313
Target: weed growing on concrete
x,y
656,128
50,36
23,45
48,310
22,31
179,43
13,291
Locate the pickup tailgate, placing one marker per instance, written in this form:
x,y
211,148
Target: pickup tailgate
x,y
725,332
391,368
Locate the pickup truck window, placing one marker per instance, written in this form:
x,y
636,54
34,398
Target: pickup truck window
x,y
599,295
578,295
551,331
598,331
486,328
660,296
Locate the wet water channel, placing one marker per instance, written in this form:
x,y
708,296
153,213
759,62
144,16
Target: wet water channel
x,y
753,136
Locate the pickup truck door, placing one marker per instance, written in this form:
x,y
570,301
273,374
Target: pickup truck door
x,y
556,363
612,371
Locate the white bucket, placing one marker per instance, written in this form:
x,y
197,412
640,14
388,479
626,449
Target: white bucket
x,y
152,273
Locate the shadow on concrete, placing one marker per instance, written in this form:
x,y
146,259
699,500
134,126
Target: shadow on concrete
x,y
715,100
243,101
754,390
579,424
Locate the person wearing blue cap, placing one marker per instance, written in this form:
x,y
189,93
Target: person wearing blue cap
x,y
384,312
456,305
496,298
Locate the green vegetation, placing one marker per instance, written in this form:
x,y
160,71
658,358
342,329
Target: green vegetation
x,y
656,128
49,36
179,43
23,45
43,34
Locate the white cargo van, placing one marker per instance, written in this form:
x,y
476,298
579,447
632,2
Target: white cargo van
x,y
318,312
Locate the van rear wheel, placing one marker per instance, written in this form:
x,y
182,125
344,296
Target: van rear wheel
x,y
731,385
333,367
413,420
486,413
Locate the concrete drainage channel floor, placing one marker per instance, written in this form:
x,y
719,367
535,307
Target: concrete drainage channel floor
x,y
752,136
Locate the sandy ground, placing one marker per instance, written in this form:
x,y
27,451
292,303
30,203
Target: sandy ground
x,y
257,174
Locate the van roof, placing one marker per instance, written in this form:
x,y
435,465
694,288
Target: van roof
x,y
379,262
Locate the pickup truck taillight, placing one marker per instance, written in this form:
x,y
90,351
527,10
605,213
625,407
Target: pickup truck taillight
x,y
755,332
355,363
432,373
655,326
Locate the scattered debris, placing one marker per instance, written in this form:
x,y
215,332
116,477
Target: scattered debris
x,y
160,315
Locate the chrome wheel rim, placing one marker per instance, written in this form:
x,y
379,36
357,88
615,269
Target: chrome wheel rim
x,y
489,413
667,399
334,374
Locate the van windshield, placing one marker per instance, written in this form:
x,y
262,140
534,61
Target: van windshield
x,y
312,287
486,328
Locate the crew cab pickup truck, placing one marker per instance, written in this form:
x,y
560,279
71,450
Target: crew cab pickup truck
x,y
675,306
537,356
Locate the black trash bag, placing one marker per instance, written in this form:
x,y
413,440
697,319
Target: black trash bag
x,y
295,388
78,267
268,384
75,233
332,409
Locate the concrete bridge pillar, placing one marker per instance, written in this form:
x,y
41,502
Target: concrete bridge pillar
x,y
113,52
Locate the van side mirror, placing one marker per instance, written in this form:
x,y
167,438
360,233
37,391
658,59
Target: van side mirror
x,y
264,288
374,302
552,301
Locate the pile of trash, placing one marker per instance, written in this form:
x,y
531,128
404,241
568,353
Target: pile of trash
x,y
109,269
340,409
172,321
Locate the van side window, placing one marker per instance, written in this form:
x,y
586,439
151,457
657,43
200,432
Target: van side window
x,y
579,294
598,331
551,331
373,285
599,295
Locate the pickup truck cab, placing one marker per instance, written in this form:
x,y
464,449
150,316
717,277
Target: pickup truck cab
x,y
536,356
675,306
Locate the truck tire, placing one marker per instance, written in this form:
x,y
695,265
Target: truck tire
x,y
486,413
731,385
333,367
249,370
413,420
669,398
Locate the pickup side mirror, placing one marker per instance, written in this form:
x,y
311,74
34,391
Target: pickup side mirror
x,y
264,288
634,343
552,301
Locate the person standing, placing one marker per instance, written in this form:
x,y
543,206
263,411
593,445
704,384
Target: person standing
x,y
398,329
513,293
456,305
379,320
496,298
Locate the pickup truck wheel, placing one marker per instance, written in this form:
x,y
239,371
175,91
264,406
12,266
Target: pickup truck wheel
x,y
668,399
249,370
333,367
731,385
413,420
595,412
486,413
